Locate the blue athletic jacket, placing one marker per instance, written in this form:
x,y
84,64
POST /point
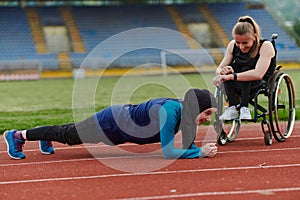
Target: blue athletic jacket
x,y
156,120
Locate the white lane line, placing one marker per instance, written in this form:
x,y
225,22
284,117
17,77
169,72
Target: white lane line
x,y
149,173
260,150
81,147
138,155
199,194
122,145
80,160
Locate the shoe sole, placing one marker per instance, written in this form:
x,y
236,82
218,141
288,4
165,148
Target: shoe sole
x,y
44,152
245,119
7,145
229,119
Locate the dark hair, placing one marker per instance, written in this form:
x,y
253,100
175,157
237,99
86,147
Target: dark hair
x,y
247,24
195,101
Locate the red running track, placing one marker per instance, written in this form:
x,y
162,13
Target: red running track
x,y
244,169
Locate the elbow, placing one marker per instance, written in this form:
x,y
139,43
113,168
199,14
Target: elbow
x,y
168,155
260,77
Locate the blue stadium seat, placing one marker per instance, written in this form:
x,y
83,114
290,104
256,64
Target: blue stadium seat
x,y
17,41
98,24
190,13
227,15
16,38
50,16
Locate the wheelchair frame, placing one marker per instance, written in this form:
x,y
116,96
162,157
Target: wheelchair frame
x,y
277,119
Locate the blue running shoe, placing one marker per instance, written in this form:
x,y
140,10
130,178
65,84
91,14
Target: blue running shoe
x,y
14,145
46,147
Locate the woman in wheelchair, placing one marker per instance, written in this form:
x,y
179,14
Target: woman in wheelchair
x,y
248,60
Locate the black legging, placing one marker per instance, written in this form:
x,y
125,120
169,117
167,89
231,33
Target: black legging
x,y
68,133
242,89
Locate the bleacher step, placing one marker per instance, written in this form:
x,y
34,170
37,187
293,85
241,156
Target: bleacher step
x,y
37,33
182,27
78,45
64,60
216,27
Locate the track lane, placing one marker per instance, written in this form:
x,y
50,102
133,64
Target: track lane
x,y
245,168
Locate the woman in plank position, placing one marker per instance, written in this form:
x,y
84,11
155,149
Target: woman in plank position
x,y
156,120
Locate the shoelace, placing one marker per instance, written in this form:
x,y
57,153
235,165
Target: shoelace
x,y
19,145
48,144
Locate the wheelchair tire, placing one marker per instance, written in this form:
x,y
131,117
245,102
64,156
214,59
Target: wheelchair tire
x,y
227,129
282,109
233,131
268,138
265,125
222,138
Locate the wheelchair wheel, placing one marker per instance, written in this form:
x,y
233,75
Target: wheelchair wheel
x,y
265,125
222,137
232,129
282,109
227,129
268,138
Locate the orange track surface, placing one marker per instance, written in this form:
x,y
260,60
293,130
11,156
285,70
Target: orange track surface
x,y
244,169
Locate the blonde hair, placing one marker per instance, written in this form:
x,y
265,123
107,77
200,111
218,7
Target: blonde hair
x,y
247,24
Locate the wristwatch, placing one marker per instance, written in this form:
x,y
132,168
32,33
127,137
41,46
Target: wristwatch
x,y
234,76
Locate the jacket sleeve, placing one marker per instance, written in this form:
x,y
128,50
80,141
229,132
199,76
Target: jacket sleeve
x,y
169,116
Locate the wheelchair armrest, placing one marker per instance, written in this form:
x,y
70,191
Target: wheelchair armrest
x,y
278,67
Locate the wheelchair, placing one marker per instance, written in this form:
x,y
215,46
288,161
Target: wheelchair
x,y
277,114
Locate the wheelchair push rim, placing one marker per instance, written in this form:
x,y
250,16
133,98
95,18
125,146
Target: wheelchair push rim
x,y
227,129
282,106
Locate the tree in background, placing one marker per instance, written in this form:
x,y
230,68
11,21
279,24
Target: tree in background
x,y
296,27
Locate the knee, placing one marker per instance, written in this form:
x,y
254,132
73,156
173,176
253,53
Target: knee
x,y
71,136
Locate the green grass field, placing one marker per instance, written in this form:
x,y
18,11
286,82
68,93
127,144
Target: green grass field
x,y
26,104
